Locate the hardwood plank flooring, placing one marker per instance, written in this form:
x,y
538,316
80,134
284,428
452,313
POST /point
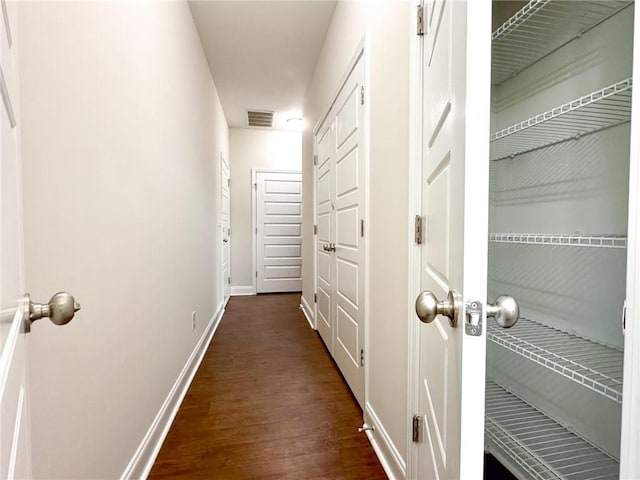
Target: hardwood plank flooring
x,y
267,403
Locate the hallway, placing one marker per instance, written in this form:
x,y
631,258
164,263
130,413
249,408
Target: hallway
x,y
267,402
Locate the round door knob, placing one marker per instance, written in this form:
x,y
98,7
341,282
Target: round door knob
x,y
428,307
505,310
61,309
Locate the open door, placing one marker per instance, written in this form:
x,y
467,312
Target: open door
x,y
450,358
17,311
15,453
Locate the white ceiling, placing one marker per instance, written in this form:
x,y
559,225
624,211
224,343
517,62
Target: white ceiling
x,y
262,53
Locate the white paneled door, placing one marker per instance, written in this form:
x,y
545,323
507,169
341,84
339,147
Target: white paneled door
x,y
340,215
225,221
15,454
324,232
279,231
450,359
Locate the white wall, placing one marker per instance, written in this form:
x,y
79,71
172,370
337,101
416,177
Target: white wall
x,y
122,129
253,148
387,29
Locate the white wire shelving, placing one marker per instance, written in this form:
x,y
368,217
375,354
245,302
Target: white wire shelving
x,y
598,241
541,27
590,113
538,444
591,364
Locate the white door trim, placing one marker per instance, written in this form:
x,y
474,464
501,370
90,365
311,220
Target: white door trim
x,y
414,252
314,242
254,219
630,436
359,52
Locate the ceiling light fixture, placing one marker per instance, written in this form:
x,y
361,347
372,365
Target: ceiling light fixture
x,y
295,123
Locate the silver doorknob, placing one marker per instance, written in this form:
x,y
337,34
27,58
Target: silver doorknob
x,y
505,310
225,240
428,307
60,310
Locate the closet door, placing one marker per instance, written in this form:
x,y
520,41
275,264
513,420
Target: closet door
x,y
348,217
340,245
325,236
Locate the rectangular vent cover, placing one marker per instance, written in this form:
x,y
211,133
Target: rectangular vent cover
x,y
260,119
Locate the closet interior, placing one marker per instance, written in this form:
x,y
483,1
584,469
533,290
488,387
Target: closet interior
x,y
560,122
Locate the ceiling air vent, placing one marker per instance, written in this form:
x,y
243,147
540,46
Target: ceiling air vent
x,y
260,119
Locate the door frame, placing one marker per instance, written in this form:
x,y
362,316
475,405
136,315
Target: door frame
x,y
361,53
414,257
630,435
254,219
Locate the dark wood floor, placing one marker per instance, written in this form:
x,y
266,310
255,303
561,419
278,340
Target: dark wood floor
x,y
267,402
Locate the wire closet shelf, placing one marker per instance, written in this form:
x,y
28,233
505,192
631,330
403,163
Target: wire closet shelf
x,y
599,241
540,445
541,27
591,364
590,113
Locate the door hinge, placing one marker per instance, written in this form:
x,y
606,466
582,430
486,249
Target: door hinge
x,y
361,94
420,20
228,182
362,228
416,429
315,298
624,316
229,232
256,274
255,186
362,357
229,279
315,160
419,229
315,229
256,230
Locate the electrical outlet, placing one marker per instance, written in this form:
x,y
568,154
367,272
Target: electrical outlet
x,y
193,320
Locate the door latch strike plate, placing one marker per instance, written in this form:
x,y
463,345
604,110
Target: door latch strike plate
x,y
473,318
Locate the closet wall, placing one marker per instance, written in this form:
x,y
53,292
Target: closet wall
x,y
558,222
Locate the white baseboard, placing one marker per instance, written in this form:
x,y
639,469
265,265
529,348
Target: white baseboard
x,y
142,461
237,291
392,462
308,312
